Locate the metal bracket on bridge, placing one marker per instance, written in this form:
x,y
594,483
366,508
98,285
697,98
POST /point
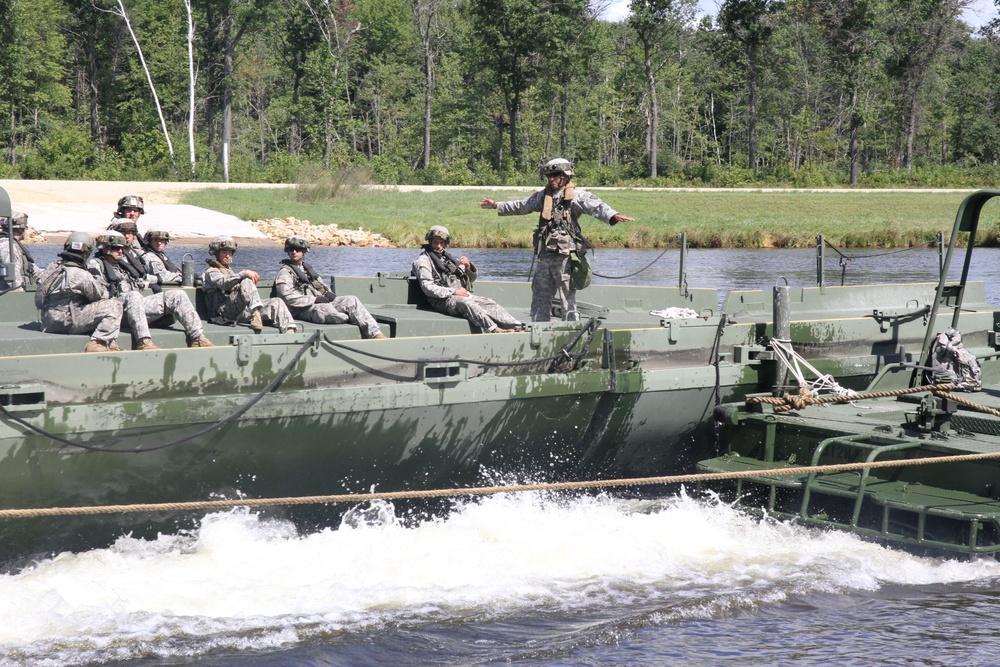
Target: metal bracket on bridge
x,y
22,397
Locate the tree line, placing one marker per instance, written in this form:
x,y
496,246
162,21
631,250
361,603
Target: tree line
x,y
800,92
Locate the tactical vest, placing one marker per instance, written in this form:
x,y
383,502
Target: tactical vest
x,y
308,276
113,277
447,265
24,251
216,264
45,289
559,217
167,264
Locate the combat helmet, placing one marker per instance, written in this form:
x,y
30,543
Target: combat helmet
x,y
131,201
111,239
17,220
124,226
79,242
438,231
297,243
222,243
156,235
558,165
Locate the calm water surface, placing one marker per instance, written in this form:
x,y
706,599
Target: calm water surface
x,y
535,579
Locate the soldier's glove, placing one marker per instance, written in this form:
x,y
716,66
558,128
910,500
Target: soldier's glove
x,y
322,298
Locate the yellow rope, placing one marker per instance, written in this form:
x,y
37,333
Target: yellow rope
x,y
969,404
781,404
806,397
486,490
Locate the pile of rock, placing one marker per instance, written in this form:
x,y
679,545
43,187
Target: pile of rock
x,y
281,228
32,236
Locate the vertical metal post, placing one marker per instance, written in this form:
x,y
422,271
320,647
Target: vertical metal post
x,y
820,261
781,329
682,276
940,245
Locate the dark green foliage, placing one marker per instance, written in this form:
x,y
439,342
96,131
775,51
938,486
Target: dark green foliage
x,y
800,92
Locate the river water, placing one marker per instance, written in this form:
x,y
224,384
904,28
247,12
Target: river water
x,y
531,579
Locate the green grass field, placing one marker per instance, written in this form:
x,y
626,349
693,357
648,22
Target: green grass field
x,y
729,219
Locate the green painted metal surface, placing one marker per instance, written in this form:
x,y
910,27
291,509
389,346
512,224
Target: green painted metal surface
x,y
950,507
433,406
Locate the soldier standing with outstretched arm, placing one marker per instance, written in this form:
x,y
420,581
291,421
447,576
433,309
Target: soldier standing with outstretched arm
x,y
558,237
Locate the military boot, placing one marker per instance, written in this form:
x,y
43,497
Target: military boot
x,y
95,346
200,341
256,322
145,344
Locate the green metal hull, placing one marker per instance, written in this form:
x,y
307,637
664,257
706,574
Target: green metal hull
x,y
434,406
948,508
910,463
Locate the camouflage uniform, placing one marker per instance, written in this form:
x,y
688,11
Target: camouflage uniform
x,y
72,301
233,298
300,297
552,270
157,266
140,310
24,268
440,288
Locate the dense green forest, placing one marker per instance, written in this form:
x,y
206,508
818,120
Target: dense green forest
x,y
801,92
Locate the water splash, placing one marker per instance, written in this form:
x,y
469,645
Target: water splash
x,y
242,583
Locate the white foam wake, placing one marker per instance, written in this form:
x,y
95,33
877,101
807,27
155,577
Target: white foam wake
x,y
240,583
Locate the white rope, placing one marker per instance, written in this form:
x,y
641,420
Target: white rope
x,y
797,366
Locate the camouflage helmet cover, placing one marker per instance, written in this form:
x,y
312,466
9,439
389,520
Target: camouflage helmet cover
x,y
17,220
297,243
438,231
124,226
79,242
111,239
558,165
156,235
131,201
222,243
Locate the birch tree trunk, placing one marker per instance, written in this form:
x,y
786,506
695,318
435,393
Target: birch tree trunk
x,y
191,84
152,88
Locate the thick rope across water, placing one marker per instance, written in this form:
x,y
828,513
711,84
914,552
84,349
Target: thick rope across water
x,y
489,490
801,400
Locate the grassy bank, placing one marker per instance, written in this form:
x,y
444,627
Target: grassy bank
x,y
711,219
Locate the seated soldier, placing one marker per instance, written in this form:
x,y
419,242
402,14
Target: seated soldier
x,y
308,298
232,297
108,265
131,260
72,301
23,264
156,260
447,283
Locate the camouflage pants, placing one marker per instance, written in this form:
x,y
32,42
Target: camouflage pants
x,y
245,299
484,313
140,311
551,277
102,319
339,311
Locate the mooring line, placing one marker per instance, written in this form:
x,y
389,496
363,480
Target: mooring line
x,y
488,490
806,398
